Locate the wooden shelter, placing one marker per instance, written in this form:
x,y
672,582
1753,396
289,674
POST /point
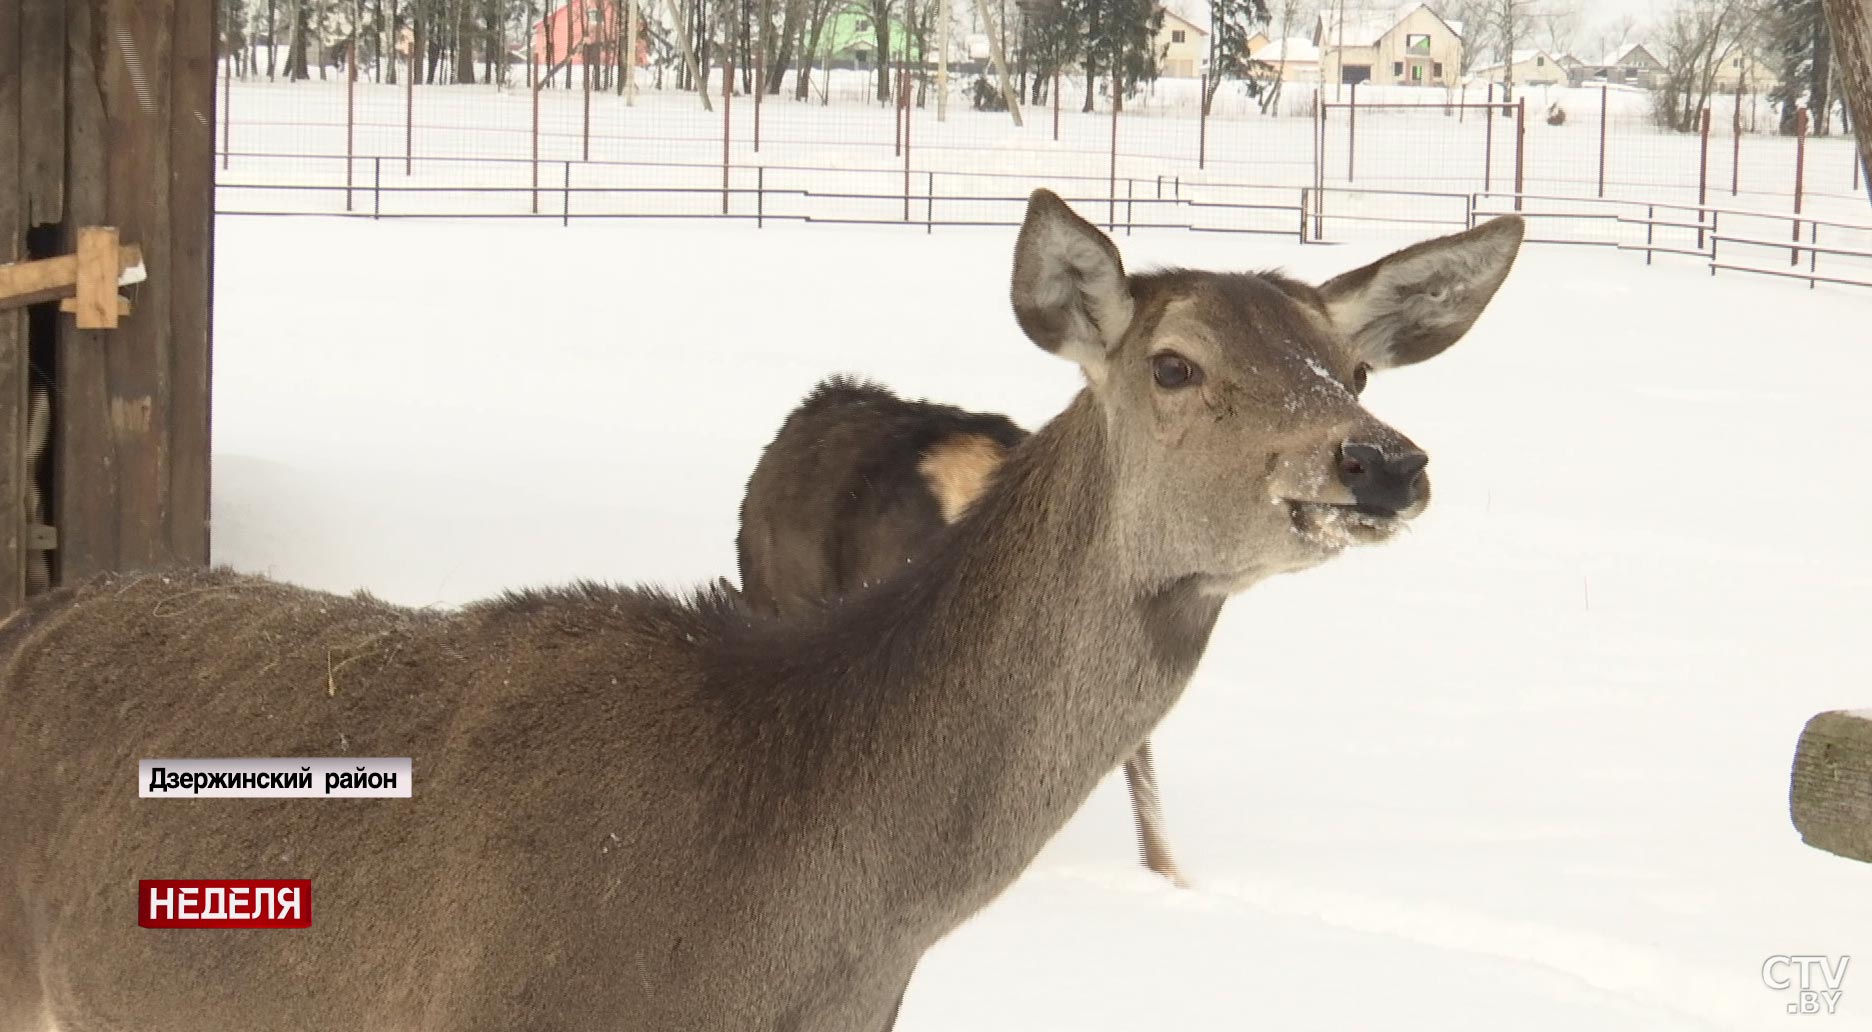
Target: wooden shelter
x,y
108,112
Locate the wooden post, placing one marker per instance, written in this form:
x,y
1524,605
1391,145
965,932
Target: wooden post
x,y
136,88
16,217
1830,790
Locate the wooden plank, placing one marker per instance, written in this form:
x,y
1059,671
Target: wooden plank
x,y
48,279
137,43
1830,797
95,303
13,352
86,485
42,110
190,267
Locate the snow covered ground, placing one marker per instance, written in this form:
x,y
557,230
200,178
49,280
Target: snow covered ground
x,y
1525,769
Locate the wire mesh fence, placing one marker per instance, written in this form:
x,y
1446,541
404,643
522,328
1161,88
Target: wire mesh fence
x,y
1318,163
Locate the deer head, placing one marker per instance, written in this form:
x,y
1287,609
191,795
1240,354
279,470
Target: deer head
x,y
1238,444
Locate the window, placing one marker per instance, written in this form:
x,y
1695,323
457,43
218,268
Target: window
x,y
1738,63
1436,69
1176,35
1416,73
1540,62
1397,68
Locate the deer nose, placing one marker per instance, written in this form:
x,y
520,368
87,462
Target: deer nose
x,y
1386,480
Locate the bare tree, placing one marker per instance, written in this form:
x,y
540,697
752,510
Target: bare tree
x,y
1850,24
1512,24
1698,36
1611,37
1285,13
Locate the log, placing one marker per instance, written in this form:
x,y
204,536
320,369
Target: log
x,y
1830,798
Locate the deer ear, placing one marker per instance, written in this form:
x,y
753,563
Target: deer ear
x,y
1070,292
1411,305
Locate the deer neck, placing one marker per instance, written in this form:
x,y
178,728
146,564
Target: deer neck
x,y
1037,659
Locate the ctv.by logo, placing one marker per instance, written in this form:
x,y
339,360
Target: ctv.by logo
x,y
1818,980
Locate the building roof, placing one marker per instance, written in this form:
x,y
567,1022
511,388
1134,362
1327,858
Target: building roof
x,y
1520,57
1292,50
1364,27
1170,14
1623,55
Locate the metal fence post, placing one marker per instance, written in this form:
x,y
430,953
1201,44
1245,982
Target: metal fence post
x,y
565,194
227,111
1202,125
535,162
1351,132
1111,213
727,110
1800,176
409,115
1520,151
903,101
1056,104
350,120
1703,127
1603,90
1488,141
1735,162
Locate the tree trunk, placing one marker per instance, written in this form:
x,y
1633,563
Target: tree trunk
x,y
688,54
1850,24
464,43
880,26
296,49
1821,81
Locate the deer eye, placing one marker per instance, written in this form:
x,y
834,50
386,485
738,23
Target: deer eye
x,y
1173,372
1358,377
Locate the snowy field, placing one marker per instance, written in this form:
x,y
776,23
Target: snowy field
x,y
1525,769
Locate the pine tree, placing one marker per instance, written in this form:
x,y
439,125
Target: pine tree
x,y
1231,22
1797,36
1053,37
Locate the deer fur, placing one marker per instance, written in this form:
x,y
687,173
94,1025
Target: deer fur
x,y
638,811
855,486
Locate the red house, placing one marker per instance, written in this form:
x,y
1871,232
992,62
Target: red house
x,y
560,37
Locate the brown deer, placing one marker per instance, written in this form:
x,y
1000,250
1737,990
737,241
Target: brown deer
x,y
637,811
855,486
